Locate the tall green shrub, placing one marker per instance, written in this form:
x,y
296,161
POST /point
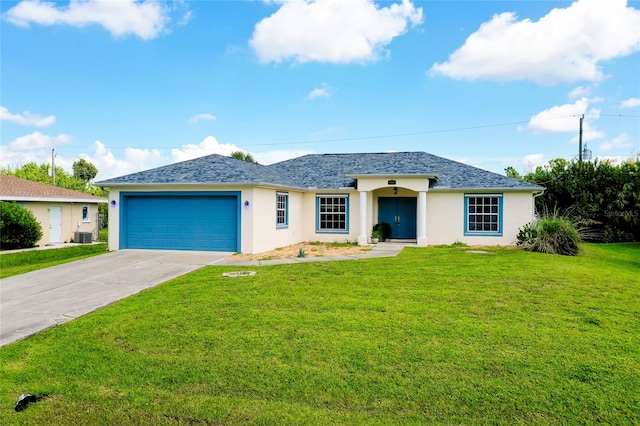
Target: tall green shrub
x,y
18,227
553,234
602,196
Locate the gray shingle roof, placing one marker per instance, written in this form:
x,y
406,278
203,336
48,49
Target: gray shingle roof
x,y
325,171
332,170
209,169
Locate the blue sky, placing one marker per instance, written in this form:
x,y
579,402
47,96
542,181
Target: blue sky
x,y
132,85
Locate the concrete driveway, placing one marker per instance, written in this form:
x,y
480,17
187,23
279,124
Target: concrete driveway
x,y
38,300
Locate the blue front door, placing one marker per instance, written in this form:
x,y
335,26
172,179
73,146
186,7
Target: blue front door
x,y
400,213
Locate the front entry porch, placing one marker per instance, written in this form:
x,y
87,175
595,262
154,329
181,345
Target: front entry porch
x,y
400,213
404,208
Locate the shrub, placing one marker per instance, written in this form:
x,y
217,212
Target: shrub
x,y
553,234
18,227
384,229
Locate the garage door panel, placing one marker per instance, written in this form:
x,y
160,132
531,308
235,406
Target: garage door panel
x,y
179,222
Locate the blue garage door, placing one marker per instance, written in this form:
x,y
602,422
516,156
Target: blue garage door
x,y
181,222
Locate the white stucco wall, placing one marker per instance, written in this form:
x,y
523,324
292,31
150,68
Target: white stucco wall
x,y
259,233
445,218
71,219
246,213
266,234
308,213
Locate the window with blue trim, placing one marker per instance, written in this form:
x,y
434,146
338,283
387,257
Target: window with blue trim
x,y
332,213
282,209
483,214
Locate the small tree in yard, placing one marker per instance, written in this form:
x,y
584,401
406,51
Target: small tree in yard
x,y
18,227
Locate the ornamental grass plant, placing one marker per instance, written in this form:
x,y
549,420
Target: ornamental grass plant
x,y
552,234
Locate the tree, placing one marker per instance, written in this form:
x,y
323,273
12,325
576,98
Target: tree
x,y
239,155
84,170
512,173
42,173
601,197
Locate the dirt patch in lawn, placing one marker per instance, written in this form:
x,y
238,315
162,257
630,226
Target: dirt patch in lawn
x,y
310,250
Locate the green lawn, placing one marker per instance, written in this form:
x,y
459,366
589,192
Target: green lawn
x,y
27,261
434,336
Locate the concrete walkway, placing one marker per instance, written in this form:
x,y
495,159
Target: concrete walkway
x,y
35,301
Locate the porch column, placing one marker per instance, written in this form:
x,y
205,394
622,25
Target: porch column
x,y
422,219
363,238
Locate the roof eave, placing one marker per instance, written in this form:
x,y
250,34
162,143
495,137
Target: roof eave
x,y
225,184
481,189
52,199
394,175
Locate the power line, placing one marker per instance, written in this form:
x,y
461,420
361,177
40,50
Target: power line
x,y
372,137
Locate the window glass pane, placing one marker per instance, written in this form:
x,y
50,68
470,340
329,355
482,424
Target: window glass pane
x,y
483,214
332,213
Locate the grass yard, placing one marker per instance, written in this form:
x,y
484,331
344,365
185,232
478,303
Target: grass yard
x,y
27,261
435,336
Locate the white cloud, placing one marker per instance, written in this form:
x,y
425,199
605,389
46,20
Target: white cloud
x,y
566,118
621,141
134,160
533,160
36,148
630,103
565,45
145,19
26,118
580,92
335,31
199,117
208,146
320,92
129,160
37,140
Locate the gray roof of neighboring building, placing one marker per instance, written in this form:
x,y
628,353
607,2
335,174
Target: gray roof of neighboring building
x,y
324,171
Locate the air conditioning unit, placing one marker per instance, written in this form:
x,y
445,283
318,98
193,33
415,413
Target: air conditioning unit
x,y
83,237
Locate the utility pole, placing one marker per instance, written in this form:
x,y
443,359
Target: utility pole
x,y
53,166
580,141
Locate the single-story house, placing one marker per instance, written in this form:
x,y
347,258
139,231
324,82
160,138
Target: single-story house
x,y
219,203
61,212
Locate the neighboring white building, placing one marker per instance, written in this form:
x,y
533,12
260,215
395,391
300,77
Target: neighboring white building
x,y
61,212
219,203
